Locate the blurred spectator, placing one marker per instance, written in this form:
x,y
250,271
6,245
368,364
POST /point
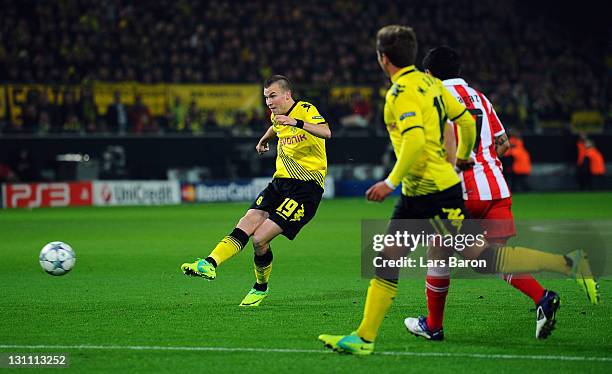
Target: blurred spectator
x,y
88,109
591,170
7,175
47,113
44,123
69,110
361,112
521,164
116,115
25,167
72,124
193,119
210,122
241,125
580,148
30,112
141,118
257,123
225,119
176,114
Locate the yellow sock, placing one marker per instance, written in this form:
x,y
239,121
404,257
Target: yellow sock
x,y
380,296
526,260
262,273
229,246
263,267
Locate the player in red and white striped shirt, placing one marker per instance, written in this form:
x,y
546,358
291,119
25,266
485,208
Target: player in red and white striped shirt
x,y
485,191
484,181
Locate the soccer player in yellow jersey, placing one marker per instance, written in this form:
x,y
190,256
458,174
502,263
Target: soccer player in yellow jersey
x,y
417,107
290,201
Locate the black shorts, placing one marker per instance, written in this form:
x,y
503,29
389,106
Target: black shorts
x,y
291,203
438,213
447,205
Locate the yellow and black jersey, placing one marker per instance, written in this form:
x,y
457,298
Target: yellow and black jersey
x,y
418,100
300,155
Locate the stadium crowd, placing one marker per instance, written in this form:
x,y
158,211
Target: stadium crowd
x,y
531,71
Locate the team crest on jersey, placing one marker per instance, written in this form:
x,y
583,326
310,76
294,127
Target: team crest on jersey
x,y
298,214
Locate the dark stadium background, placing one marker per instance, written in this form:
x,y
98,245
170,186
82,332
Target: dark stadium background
x,y
546,67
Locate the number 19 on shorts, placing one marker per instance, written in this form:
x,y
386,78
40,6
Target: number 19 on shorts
x,y
287,207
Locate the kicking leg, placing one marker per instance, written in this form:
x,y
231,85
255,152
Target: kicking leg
x,y
228,247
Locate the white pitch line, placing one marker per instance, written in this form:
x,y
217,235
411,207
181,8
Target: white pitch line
x,y
321,351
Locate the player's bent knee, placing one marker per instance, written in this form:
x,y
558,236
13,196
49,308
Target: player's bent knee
x,y
260,245
262,251
252,220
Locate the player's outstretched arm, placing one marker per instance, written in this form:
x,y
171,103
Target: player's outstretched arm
x,y
319,130
262,146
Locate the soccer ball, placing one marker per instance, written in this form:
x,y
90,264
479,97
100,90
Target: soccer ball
x,y
57,258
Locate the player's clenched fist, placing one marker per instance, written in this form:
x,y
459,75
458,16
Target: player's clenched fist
x,y
262,147
285,120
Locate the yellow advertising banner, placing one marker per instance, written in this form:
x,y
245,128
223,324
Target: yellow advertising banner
x,y
158,97
219,97
18,94
345,94
155,96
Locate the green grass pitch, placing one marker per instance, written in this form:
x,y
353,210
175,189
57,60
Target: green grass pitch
x,y
126,291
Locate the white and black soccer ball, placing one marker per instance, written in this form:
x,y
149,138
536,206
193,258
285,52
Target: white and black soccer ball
x,y
57,258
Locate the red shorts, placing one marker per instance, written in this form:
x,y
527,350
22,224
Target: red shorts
x,y
496,216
